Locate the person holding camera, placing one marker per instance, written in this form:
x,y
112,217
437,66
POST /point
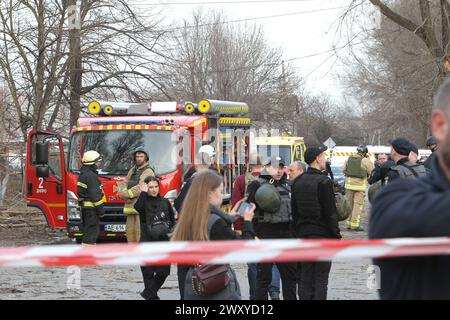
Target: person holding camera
x,y
157,219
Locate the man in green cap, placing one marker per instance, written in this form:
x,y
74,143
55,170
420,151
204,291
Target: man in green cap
x,y
271,194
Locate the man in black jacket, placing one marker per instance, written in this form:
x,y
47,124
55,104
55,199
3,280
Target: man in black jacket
x,y
404,168
315,217
376,174
273,223
418,208
91,197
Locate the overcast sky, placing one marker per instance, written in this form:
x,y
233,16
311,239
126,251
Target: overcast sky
x,y
310,28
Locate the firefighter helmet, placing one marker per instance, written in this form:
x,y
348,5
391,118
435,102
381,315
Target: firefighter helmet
x,y
141,150
362,149
267,198
208,150
91,157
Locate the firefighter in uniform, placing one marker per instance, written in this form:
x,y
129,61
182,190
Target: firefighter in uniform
x,y
91,197
136,177
357,169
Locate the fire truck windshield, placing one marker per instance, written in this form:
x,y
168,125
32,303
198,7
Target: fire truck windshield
x,y
117,146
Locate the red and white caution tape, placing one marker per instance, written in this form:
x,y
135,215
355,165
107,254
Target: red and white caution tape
x,y
217,252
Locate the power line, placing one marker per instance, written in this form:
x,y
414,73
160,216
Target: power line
x,y
334,50
217,2
255,18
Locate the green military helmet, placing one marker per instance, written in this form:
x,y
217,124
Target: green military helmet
x,y
373,190
267,198
344,210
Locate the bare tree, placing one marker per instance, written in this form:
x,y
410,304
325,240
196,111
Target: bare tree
x,y
432,27
395,69
218,60
120,51
429,21
56,54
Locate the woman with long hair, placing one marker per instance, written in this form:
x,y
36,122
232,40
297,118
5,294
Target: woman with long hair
x,y
157,219
202,220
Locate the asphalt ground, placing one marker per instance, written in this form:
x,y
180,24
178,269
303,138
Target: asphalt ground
x,y
348,280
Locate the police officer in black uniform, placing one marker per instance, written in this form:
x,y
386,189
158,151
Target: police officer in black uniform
x,y
91,197
273,218
404,167
315,216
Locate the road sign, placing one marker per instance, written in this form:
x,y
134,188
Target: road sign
x,y
330,144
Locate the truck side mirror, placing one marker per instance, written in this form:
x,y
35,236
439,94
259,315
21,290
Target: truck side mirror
x,y
42,171
42,152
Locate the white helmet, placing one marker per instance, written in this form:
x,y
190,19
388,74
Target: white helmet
x,y
208,150
91,157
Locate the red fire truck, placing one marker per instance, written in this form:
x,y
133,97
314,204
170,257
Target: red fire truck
x,y
171,132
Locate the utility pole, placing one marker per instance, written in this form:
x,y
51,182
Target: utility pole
x,y
283,107
75,67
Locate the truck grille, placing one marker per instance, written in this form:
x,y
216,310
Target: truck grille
x,y
114,213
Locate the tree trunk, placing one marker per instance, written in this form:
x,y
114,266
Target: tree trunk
x,y
75,68
3,173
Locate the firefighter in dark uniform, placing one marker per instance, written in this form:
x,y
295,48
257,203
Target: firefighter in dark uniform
x,y
273,219
91,197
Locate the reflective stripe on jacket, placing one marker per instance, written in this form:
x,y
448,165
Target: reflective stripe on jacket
x,y
90,189
359,184
135,177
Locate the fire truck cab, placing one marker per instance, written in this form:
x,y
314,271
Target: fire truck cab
x,y
172,134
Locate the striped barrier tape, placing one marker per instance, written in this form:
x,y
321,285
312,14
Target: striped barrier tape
x,y
218,252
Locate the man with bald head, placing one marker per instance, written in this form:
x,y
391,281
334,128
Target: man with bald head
x,y
410,208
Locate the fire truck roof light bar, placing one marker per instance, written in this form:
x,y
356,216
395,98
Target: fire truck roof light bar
x,y
163,107
211,107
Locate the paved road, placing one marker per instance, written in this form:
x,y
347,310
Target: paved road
x,y
347,281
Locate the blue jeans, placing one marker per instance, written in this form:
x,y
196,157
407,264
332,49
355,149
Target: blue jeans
x,y
251,273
